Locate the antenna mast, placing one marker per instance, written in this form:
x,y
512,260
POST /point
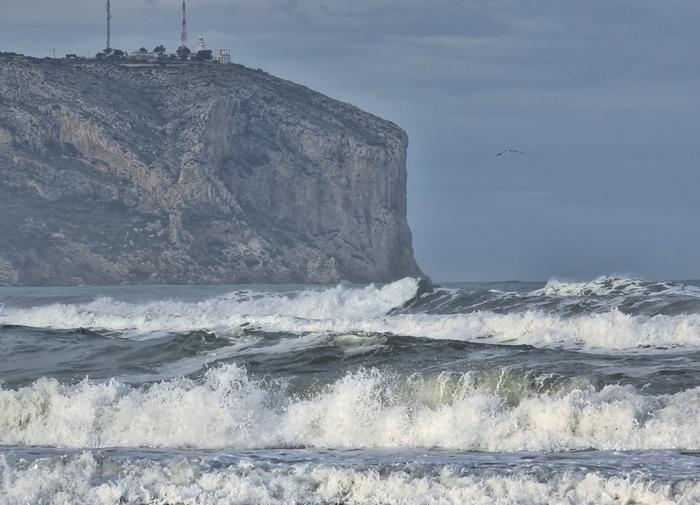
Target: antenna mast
x,y
109,26
183,37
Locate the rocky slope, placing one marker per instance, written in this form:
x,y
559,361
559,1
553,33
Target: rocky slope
x,y
192,173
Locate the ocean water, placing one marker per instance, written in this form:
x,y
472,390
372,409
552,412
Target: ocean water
x,y
483,393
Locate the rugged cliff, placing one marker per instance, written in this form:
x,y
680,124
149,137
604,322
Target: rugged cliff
x,y
192,173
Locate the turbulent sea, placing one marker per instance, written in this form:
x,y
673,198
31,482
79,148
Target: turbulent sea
x,y
489,393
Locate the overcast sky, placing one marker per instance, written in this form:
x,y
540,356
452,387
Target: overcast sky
x,y
602,95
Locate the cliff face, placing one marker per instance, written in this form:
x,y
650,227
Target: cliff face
x,y
192,174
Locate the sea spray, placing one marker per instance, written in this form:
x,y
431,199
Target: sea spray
x,y
524,393
371,309
87,478
365,409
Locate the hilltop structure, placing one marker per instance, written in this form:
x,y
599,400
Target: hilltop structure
x,y
183,52
108,47
223,56
183,35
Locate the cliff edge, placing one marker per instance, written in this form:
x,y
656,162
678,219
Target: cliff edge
x,y
192,173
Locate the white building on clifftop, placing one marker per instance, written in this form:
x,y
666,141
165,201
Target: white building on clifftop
x,y
222,56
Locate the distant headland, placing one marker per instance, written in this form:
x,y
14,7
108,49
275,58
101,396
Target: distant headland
x,y
177,173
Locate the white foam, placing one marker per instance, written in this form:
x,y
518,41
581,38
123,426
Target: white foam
x,y
610,330
347,310
366,409
342,301
82,480
605,331
606,286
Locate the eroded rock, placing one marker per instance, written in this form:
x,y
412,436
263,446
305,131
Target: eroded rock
x,y
193,174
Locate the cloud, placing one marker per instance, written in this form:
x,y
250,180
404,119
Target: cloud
x,y
602,95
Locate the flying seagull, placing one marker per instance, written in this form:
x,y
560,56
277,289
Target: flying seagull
x,y
510,151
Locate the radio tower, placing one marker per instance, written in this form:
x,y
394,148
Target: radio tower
x,y
109,26
183,37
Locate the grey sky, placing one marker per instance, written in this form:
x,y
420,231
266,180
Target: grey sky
x,y
602,95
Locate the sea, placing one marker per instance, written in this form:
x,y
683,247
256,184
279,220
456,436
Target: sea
x,y
404,393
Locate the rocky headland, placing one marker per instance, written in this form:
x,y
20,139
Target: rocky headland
x,y
192,173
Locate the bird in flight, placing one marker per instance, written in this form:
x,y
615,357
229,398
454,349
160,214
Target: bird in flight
x,y
510,151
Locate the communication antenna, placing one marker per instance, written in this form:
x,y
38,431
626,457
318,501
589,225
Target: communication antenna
x,y
183,37
109,26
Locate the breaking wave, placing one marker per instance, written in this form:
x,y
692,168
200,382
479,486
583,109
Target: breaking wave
x,y
82,479
393,308
364,409
623,286
629,295
612,330
342,301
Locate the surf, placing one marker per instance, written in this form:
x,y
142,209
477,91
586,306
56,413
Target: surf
x,y
226,408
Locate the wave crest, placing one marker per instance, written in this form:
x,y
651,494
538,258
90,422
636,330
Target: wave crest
x,y
365,409
342,301
372,309
612,285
